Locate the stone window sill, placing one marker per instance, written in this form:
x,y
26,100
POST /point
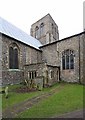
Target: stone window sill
x,y
14,70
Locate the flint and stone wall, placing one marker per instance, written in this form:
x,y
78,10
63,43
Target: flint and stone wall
x,y
83,80
0,59
26,55
43,71
52,54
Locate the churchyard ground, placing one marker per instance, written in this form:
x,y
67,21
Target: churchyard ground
x,y
58,99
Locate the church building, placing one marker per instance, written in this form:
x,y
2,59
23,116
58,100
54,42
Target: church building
x,y
40,57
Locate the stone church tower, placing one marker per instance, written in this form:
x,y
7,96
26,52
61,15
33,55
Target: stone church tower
x,y
45,30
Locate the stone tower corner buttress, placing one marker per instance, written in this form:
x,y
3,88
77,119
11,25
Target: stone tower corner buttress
x,y
45,30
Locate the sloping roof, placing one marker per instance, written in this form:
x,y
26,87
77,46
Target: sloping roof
x,y
14,32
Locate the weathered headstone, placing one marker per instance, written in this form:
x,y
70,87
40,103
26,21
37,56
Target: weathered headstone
x,y
6,92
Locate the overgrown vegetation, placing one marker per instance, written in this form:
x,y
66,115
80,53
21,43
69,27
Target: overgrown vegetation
x,y
31,84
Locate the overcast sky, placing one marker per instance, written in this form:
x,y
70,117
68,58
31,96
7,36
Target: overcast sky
x,y
68,14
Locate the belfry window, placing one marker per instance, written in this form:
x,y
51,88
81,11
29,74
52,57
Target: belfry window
x,y
55,33
36,32
41,29
13,57
52,28
68,59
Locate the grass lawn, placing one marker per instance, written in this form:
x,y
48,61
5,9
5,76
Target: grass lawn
x,y
15,98
68,99
0,102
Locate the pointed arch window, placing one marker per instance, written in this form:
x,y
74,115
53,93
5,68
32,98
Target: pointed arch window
x,y
52,28
68,59
63,62
10,57
41,29
13,57
71,61
36,32
55,32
